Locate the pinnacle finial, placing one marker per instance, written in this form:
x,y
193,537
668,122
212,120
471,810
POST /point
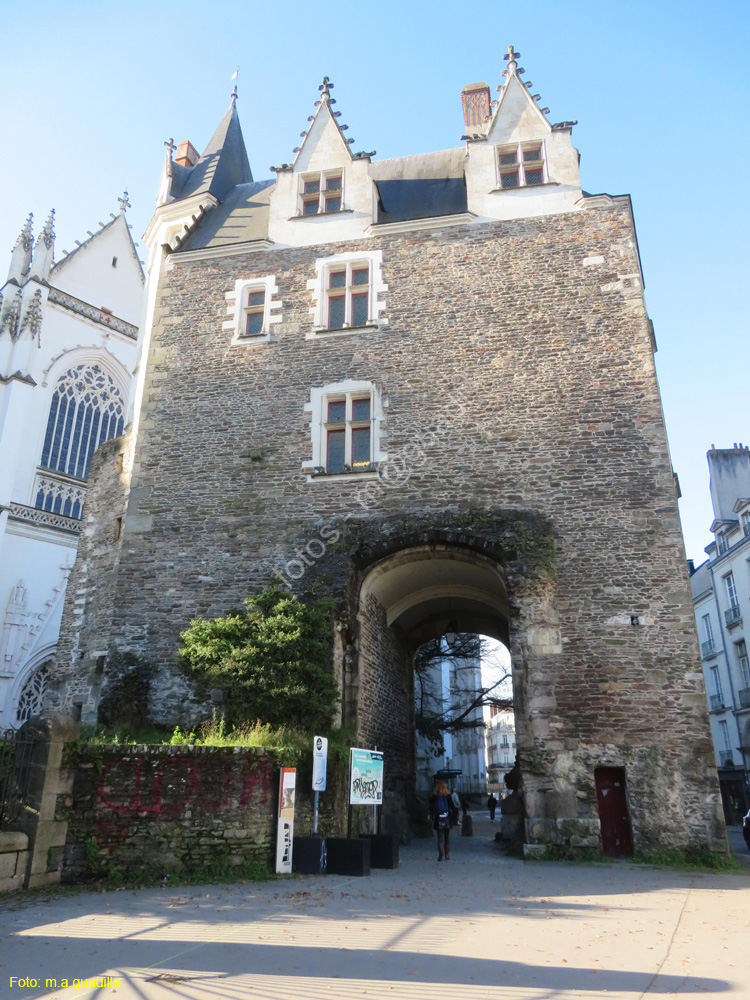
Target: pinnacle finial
x,y
512,57
235,76
125,201
326,87
48,233
171,146
25,237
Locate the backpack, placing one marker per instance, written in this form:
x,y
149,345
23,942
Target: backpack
x,y
442,815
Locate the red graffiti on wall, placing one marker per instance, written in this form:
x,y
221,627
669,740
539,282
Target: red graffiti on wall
x,y
167,785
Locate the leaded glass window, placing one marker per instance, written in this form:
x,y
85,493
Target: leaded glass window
x,y
31,699
348,434
87,409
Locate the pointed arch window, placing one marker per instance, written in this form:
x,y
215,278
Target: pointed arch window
x,y
87,409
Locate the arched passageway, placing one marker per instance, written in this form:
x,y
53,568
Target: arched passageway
x,y
406,599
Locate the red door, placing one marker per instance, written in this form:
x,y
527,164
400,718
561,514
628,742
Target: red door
x,y
613,811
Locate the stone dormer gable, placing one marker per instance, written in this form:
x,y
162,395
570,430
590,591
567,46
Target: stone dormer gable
x,y
518,164
326,186
324,144
517,116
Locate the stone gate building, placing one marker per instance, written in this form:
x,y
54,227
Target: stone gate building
x,y
425,386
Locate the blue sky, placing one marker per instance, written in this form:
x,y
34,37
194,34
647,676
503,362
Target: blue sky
x,y
660,90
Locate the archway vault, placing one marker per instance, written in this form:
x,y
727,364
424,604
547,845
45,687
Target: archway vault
x,y
424,587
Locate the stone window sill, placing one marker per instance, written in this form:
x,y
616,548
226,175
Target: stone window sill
x,y
323,215
325,334
525,187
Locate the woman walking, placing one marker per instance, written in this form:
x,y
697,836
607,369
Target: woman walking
x,y
444,815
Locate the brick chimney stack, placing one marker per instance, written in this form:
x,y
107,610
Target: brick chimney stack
x,y
187,154
475,98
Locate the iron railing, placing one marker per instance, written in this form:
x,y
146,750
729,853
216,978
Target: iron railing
x,y
707,649
16,757
733,615
715,702
744,696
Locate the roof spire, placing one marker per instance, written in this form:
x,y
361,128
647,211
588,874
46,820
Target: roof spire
x,y
125,201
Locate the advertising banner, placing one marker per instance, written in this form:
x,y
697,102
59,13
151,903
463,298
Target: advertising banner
x,y
285,828
320,762
365,777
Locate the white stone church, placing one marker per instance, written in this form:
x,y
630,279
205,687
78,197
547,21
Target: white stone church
x,y
68,349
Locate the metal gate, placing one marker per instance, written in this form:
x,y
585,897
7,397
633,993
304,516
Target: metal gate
x,y
16,758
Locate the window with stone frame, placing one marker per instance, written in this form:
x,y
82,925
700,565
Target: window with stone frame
x,y
254,311
253,306
348,433
347,295
321,192
745,521
347,425
521,165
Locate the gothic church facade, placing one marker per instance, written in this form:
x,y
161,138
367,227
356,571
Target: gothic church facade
x,y
426,387
68,347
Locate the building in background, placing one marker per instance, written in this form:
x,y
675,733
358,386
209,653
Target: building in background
x,y
68,343
446,691
721,597
500,738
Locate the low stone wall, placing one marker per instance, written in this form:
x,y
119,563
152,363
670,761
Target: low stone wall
x,y
14,857
156,810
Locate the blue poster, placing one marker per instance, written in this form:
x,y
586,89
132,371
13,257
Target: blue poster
x,y
365,777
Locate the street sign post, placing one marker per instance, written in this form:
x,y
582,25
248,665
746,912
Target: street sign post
x,y
320,763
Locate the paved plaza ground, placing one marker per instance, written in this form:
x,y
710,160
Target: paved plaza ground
x,y
480,927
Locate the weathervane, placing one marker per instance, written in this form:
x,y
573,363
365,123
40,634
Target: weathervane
x,y
235,76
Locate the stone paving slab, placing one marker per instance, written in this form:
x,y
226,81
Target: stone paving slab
x,y
480,927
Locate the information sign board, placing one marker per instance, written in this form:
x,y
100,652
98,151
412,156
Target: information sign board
x,y
285,828
320,761
365,777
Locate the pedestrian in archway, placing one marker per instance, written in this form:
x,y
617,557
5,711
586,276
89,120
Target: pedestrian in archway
x,y
444,815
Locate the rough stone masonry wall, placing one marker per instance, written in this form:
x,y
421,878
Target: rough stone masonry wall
x,y
517,355
89,600
155,810
386,710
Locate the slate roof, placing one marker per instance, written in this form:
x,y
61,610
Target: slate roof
x,y
223,165
420,187
410,187
241,217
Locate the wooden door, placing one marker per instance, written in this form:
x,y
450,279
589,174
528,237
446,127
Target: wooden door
x,y
613,811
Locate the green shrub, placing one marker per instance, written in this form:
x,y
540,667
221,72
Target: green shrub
x,y
272,660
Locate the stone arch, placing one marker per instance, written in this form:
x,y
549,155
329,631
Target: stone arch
x,y
492,571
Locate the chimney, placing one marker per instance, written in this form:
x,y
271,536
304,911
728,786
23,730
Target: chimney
x,y
187,154
475,98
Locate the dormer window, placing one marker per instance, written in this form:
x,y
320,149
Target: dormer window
x,y
321,192
521,165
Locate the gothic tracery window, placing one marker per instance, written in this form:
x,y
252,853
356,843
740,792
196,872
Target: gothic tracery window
x,y
31,699
87,409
